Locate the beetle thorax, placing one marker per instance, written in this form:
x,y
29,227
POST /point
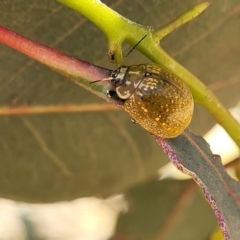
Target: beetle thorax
x,y
127,81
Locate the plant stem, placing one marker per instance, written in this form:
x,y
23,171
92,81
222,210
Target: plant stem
x,y
78,71
185,17
118,29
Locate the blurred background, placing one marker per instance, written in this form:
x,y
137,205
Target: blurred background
x,y
104,152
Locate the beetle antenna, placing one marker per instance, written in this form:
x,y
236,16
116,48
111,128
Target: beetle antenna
x,y
136,45
100,80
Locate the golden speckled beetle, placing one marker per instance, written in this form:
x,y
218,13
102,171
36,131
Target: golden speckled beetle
x,y
156,99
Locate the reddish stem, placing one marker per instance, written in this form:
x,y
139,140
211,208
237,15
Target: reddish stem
x,y
81,72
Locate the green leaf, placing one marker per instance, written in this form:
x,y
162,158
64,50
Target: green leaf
x,y
192,155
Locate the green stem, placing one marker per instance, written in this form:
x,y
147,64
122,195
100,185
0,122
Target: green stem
x,y
110,22
119,29
185,17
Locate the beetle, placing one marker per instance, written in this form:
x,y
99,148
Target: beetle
x,y
154,98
